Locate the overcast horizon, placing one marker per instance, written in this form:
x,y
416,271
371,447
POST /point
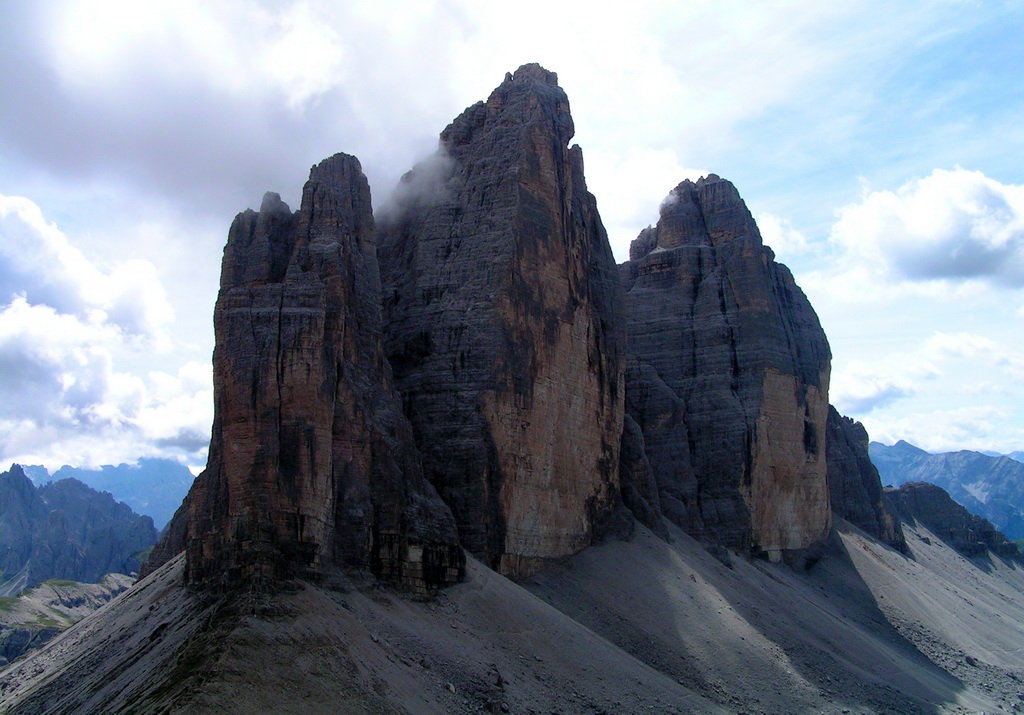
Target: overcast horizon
x,y
878,147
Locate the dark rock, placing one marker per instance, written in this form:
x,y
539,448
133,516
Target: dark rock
x,y
932,506
312,464
65,530
855,488
504,327
730,387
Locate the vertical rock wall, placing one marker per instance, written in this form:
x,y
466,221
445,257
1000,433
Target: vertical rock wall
x,y
854,486
504,329
311,464
730,387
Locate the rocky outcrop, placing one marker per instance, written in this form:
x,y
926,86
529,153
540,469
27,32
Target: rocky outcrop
x,y
65,530
312,465
855,488
932,506
504,328
730,384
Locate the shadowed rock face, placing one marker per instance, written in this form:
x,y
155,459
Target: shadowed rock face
x,y
932,506
311,464
730,384
504,328
854,486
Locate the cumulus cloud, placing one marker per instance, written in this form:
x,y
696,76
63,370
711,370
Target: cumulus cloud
x,y
953,226
67,327
780,235
39,263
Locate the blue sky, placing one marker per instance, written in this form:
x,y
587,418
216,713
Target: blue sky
x,y
879,146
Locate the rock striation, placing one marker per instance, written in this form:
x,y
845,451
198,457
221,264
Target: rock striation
x,y
504,327
730,380
932,506
855,489
65,530
312,465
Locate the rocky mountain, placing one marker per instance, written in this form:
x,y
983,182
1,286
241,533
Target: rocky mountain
x,y
929,504
312,465
855,489
1018,455
728,378
154,487
466,388
40,613
502,325
991,487
65,530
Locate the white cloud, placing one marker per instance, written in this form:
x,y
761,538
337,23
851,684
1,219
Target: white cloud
x,y
952,226
780,235
976,427
67,332
38,262
943,363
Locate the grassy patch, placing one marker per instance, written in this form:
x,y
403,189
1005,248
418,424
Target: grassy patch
x,y
8,604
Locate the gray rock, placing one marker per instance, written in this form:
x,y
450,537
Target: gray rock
x,y
312,465
932,506
855,488
65,530
730,386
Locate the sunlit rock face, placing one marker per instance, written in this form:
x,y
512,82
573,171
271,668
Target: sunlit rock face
x,y
730,383
504,327
854,485
312,464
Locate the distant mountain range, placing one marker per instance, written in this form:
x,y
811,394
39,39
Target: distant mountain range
x,y
154,487
65,530
991,487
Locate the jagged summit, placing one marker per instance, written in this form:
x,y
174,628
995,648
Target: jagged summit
x,y
730,383
312,465
504,329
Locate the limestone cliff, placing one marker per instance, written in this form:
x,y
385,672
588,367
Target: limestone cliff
x,y
855,489
730,384
504,329
312,464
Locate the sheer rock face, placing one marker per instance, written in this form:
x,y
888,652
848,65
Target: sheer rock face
x,y
854,486
932,506
504,328
312,464
730,387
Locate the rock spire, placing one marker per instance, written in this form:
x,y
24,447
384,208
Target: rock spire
x,y
312,464
504,327
730,383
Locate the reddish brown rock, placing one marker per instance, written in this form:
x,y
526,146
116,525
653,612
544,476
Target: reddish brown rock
x,y
312,464
504,327
730,387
